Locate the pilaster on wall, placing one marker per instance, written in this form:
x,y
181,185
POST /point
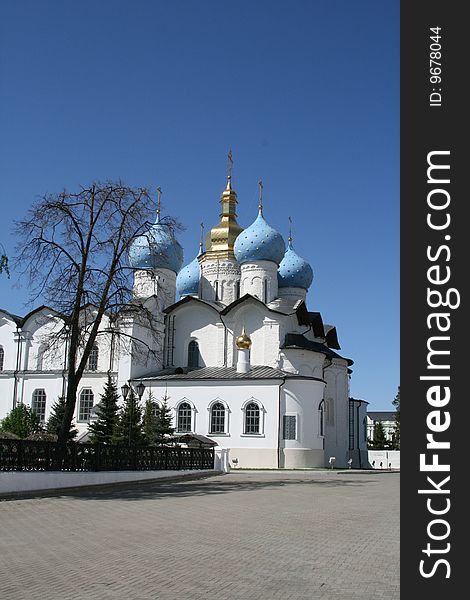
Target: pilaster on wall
x,y
259,278
155,282
219,279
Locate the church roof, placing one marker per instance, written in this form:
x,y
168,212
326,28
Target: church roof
x,y
157,248
381,415
294,271
256,372
297,341
259,241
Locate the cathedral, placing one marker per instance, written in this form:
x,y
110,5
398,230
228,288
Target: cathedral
x,y
236,353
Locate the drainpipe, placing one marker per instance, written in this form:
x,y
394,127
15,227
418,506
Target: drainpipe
x,y
18,363
358,438
279,425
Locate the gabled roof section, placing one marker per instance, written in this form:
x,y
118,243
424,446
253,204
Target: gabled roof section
x,y
297,341
381,415
246,298
331,336
15,318
188,299
317,324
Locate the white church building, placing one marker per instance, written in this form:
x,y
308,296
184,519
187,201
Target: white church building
x,y
239,356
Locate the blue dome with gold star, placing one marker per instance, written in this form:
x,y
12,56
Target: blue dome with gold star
x,y
187,280
259,241
157,248
294,271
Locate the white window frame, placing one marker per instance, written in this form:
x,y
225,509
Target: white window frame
x,y
262,413
84,389
193,415
226,432
41,415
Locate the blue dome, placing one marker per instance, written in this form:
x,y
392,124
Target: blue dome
x,y
294,271
156,249
187,280
259,242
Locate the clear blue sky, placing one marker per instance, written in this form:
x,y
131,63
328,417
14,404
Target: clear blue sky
x,y
306,93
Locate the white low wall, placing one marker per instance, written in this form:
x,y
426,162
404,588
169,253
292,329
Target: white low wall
x,y
384,459
20,481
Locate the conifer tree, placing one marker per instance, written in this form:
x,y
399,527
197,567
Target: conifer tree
x,y
128,429
102,430
165,422
54,422
379,441
396,404
150,420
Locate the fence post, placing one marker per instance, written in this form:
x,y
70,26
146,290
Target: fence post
x,y
19,458
134,458
97,448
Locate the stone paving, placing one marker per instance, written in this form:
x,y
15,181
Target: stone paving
x,y
298,535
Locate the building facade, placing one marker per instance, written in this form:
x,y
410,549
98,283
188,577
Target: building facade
x,y
238,356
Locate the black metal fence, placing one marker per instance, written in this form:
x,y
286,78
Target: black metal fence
x,y
28,455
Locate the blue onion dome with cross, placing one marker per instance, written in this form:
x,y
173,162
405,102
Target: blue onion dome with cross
x,y
259,241
294,271
157,248
187,280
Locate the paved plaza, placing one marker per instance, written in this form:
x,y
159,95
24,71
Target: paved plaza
x,y
298,535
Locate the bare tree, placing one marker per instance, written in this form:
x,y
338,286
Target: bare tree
x,y
4,261
73,250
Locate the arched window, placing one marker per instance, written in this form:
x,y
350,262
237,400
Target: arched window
x,y
193,354
217,424
321,416
93,359
2,357
265,291
85,405
38,404
252,419
184,420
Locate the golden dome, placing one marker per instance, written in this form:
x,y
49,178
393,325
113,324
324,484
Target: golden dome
x,y
221,238
243,341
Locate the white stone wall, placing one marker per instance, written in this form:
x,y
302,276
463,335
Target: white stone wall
x,y
259,279
155,282
336,397
384,459
221,276
301,399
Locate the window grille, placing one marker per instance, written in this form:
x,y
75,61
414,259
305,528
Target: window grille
x,y
93,359
289,427
85,405
38,404
184,418
217,418
252,418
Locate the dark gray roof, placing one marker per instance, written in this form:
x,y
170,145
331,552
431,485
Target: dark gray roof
x,y
381,415
256,372
297,341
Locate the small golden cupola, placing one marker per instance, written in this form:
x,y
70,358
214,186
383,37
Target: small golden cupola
x,y
221,238
243,341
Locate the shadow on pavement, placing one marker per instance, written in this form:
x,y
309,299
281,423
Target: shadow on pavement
x,y
154,490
